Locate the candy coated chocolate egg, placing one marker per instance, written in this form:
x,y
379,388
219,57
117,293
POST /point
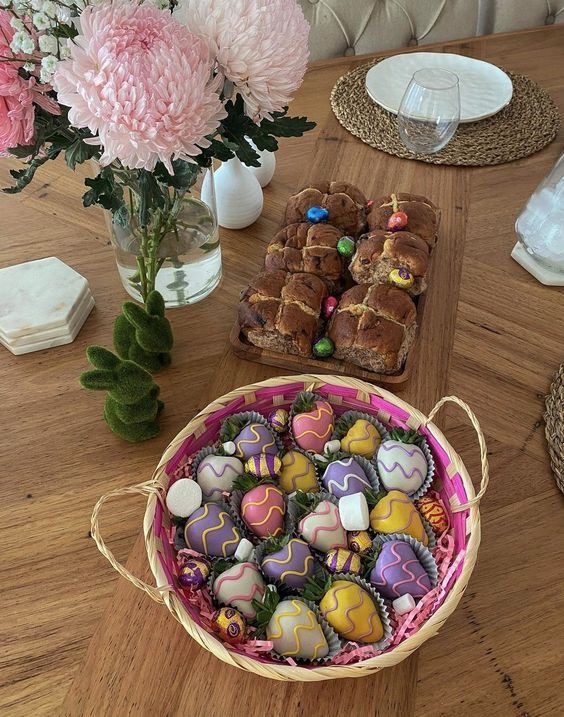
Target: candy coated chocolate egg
x,y
253,440
279,420
351,612
263,509
322,528
346,247
345,477
215,475
297,473
312,429
395,513
343,561
194,573
323,348
401,466
330,303
434,513
397,221
398,572
238,587
402,278
359,541
292,565
294,631
317,214
229,625
211,531
362,438
265,465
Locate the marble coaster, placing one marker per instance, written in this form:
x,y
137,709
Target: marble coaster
x,y
37,296
79,317
74,327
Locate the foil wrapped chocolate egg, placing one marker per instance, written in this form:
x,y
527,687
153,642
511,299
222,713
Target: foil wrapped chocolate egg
x,y
330,303
194,573
346,247
278,419
317,214
359,541
341,560
323,347
229,625
434,513
265,465
402,278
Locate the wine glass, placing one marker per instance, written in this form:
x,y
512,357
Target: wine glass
x,y
429,112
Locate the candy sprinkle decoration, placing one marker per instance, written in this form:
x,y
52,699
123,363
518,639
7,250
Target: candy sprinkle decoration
x,y
229,625
402,278
397,221
330,303
317,214
323,348
346,247
278,419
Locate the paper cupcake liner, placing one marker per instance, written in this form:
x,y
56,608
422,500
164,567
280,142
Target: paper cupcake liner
x,y
318,570
381,606
296,448
247,417
348,419
293,510
430,532
423,553
333,640
201,454
424,487
366,465
235,506
292,413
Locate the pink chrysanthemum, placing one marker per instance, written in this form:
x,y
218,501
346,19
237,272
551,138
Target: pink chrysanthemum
x,y
140,81
260,45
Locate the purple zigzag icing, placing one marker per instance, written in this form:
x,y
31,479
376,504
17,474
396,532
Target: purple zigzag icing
x,y
399,466
401,446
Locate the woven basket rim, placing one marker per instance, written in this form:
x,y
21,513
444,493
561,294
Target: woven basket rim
x,y
298,673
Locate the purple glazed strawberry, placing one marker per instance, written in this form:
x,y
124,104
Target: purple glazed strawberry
x,y
398,572
291,565
211,531
253,440
345,477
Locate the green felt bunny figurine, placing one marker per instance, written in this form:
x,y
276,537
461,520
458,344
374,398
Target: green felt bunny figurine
x,y
132,406
143,334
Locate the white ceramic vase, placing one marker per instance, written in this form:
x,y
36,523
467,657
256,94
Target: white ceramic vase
x,y
265,172
238,195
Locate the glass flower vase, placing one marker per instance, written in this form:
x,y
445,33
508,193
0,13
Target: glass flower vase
x,y
184,264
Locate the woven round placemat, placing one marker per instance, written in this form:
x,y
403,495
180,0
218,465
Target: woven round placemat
x,y
528,123
554,419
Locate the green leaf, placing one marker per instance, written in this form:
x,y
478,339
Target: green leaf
x,y
247,482
78,152
283,126
104,191
407,436
305,502
372,498
183,177
273,545
220,566
22,151
265,608
316,587
304,402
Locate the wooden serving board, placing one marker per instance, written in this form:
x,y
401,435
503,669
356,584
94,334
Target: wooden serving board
x,y
301,364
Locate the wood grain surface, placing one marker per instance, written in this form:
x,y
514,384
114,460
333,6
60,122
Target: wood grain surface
x,y
76,640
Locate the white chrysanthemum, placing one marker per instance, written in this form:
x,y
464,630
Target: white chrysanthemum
x,y
48,44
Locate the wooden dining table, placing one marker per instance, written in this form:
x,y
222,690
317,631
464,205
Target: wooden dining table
x,y
78,640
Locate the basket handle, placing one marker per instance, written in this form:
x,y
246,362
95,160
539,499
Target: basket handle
x,y
148,488
481,440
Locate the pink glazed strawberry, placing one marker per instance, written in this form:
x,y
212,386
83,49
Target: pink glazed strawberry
x,y
312,423
262,507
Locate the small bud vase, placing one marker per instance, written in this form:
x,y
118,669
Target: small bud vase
x,y
265,172
238,195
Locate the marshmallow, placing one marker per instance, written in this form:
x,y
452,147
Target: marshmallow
x,y
229,448
244,550
332,446
354,513
184,497
403,604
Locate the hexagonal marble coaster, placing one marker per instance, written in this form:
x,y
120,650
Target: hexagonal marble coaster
x,y
39,295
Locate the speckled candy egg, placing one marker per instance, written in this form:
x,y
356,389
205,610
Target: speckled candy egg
x,y
211,531
294,631
278,419
297,473
351,612
229,625
216,474
434,513
398,572
401,466
194,573
263,509
312,429
359,541
265,465
362,438
239,586
395,513
343,561
292,565
253,440
345,477
322,528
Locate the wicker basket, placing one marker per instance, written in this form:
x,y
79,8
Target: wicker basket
x,y
457,492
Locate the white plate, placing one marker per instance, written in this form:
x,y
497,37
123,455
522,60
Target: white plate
x,y
484,88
